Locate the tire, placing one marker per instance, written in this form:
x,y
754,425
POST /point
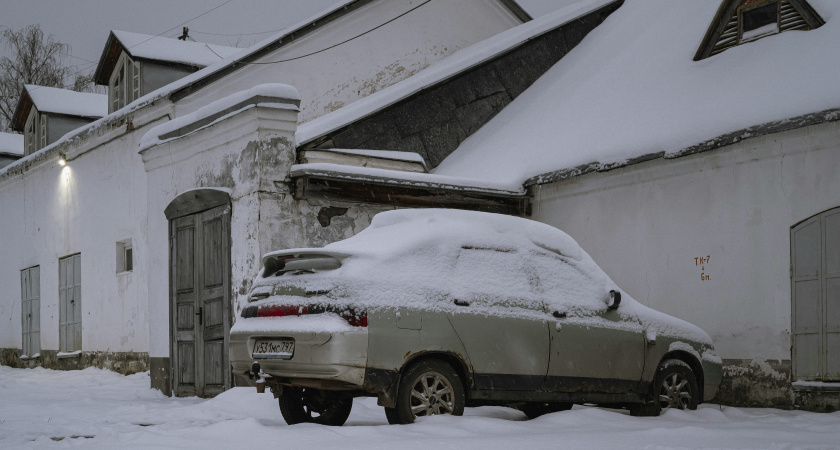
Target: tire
x,y
307,405
674,386
536,409
428,387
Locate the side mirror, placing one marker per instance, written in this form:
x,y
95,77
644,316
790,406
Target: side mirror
x,y
614,300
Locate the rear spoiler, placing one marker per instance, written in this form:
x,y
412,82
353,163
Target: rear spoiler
x,y
310,259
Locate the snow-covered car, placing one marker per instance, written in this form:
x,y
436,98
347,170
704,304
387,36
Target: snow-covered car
x,y
435,310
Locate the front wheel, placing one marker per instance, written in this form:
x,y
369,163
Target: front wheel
x,y
427,388
674,386
307,405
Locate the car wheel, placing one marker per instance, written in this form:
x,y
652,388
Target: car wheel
x,y
536,409
427,388
307,405
675,386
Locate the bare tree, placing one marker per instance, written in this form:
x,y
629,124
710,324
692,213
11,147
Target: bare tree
x,y
37,60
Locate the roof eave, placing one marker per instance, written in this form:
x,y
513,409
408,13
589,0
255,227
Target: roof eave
x,y
104,68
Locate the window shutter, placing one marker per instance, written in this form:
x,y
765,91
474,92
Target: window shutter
x,y
135,81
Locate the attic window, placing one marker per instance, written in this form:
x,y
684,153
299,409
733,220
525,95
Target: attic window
x,y
759,21
741,21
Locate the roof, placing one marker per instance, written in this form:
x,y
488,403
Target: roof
x,y
459,62
631,89
157,48
11,144
58,101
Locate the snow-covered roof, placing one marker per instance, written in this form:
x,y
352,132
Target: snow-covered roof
x,y
631,88
11,143
173,50
64,101
446,68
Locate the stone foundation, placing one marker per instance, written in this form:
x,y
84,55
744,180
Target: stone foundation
x,y
125,363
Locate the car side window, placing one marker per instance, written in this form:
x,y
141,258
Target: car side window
x,y
495,277
563,286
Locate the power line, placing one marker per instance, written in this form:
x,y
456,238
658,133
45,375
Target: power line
x,y
182,24
327,48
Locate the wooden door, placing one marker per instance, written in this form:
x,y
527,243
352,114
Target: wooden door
x,y
815,291
30,291
70,303
200,299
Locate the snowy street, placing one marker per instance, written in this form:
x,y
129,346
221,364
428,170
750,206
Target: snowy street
x,y
99,409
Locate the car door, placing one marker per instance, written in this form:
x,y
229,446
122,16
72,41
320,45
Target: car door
x,y
592,348
503,329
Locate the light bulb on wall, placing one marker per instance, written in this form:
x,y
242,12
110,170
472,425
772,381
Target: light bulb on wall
x,y
62,160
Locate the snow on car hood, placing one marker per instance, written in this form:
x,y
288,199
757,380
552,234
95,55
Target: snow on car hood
x,y
502,265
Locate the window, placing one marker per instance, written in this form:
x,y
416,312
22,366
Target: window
x,y
759,20
30,294
125,256
70,303
124,86
30,136
741,21
42,134
815,293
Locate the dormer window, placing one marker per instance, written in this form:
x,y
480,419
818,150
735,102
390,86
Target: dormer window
x,y
758,20
124,86
741,21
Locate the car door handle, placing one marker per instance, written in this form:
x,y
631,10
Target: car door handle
x,y
462,302
559,315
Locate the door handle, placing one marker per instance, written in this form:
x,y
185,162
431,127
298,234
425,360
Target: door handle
x,y
200,315
462,302
559,315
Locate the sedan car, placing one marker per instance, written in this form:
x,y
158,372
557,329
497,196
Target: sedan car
x,y
434,310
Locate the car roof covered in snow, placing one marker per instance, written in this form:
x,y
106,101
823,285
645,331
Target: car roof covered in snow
x,y
632,88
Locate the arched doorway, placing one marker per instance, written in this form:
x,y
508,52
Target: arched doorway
x,y
199,292
815,294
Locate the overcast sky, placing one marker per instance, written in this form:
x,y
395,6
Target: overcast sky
x,y
84,24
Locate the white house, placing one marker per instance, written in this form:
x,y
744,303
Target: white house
x,y
128,252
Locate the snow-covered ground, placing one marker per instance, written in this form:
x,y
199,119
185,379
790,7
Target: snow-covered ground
x,y
99,409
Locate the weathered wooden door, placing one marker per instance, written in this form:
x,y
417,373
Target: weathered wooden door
x,y
30,293
70,303
200,312
815,286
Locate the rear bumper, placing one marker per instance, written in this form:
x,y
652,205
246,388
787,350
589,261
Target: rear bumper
x,y
319,359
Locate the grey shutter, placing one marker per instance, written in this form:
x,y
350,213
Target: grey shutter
x,y
831,275
807,314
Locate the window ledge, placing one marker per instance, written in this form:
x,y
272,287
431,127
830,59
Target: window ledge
x,y
821,386
125,272
63,355
27,357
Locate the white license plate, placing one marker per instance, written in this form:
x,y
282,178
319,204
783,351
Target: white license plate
x,y
274,349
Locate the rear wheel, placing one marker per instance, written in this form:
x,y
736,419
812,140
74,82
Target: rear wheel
x,y
307,405
536,409
427,388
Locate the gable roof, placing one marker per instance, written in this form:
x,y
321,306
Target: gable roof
x,y
11,144
157,48
724,30
459,62
58,101
631,90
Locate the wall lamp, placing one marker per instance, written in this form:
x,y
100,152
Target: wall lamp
x,y
62,160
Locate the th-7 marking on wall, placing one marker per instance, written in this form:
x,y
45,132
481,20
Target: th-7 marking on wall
x,y
701,262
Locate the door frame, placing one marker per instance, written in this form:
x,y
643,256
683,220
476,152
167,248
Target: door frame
x,y
191,203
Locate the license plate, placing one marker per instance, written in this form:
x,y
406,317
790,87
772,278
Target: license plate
x,y
274,349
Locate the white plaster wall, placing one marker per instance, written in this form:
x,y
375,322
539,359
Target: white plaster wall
x,y
86,207
328,80
646,224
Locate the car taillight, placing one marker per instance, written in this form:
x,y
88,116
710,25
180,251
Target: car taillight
x,y
281,310
354,318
